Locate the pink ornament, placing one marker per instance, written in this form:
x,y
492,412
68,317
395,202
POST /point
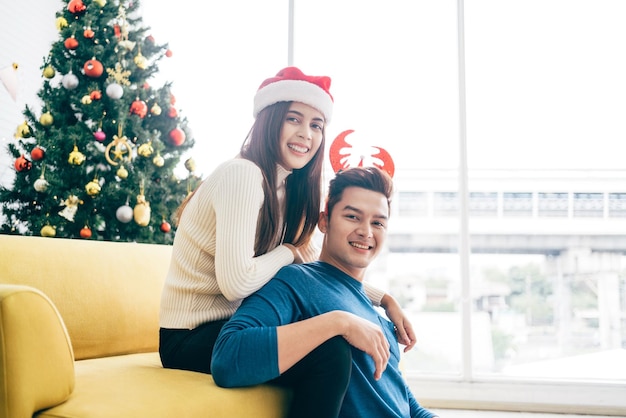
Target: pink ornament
x,y
99,135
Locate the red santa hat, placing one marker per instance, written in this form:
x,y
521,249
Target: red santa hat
x,y
292,85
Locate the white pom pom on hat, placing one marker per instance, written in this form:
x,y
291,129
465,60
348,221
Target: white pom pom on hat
x,y
292,85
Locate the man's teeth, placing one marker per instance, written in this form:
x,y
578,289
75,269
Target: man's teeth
x,y
362,247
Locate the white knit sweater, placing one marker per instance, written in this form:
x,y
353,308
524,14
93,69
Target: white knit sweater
x,y
213,265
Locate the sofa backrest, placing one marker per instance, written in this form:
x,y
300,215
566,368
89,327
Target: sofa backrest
x,y
108,293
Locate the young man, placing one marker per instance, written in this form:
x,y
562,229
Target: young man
x,y
306,305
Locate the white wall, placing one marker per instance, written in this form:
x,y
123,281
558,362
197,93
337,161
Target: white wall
x,y
27,31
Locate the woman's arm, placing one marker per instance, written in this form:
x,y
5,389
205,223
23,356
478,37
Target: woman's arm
x,y
404,329
240,195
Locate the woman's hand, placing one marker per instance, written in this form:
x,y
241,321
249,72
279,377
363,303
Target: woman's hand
x,y
297,257
404,329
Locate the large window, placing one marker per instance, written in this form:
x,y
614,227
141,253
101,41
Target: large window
x,y
528,303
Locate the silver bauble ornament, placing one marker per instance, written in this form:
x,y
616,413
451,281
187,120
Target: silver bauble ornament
x,y
41,185
114,91
124,214
69,81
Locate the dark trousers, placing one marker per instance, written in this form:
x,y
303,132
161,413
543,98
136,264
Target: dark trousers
x,y
318,382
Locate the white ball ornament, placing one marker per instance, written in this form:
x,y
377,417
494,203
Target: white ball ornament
x,y
69,81
114,91
41,185
124,214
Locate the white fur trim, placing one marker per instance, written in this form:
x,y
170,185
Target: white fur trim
x,y
294,91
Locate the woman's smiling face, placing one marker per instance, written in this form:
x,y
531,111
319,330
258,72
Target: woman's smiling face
x,y
301,135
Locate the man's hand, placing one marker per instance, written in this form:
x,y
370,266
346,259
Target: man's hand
x,y
367,337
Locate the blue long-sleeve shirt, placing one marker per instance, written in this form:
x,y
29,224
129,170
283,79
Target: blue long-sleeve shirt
x,y
246,352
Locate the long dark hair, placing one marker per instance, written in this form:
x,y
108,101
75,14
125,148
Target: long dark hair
x,y
303,187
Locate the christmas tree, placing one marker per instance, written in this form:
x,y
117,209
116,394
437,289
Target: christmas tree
x,y
97,160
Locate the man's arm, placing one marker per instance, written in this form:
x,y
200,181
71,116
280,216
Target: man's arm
x,y
250,351
298,339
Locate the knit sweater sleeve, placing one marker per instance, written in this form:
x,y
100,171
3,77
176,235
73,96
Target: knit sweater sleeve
x,y
373,293
239,273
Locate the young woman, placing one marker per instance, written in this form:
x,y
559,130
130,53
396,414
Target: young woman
x,y
253,215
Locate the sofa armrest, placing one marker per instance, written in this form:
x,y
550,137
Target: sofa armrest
x,y
36,358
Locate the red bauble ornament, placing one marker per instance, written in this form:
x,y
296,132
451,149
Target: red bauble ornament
x,y
139,108
168,53
23,164
37,153
95,95
89,33
85,232
177,137
165,227
172,113
93,68
76,6
71,43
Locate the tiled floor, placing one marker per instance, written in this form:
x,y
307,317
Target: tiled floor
x,y
457,413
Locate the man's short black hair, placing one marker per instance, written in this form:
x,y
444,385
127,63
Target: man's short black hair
x,y
369,178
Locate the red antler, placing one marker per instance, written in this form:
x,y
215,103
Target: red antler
x,y
387,161
341,151
337,159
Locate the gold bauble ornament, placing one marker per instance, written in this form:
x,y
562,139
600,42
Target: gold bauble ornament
x,y
49,71
122,173
93,187
190,165
60,23
158,161
100,3
46,119
76,157
48,231
155,109
141,211
23,131
145,150
86,99
140,61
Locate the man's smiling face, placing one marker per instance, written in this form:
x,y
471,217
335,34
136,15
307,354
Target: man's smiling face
x,y
356,230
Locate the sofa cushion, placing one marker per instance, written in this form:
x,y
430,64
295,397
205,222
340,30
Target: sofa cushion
x,y
122,386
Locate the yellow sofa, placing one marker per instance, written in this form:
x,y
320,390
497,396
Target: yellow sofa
x,y
79,337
